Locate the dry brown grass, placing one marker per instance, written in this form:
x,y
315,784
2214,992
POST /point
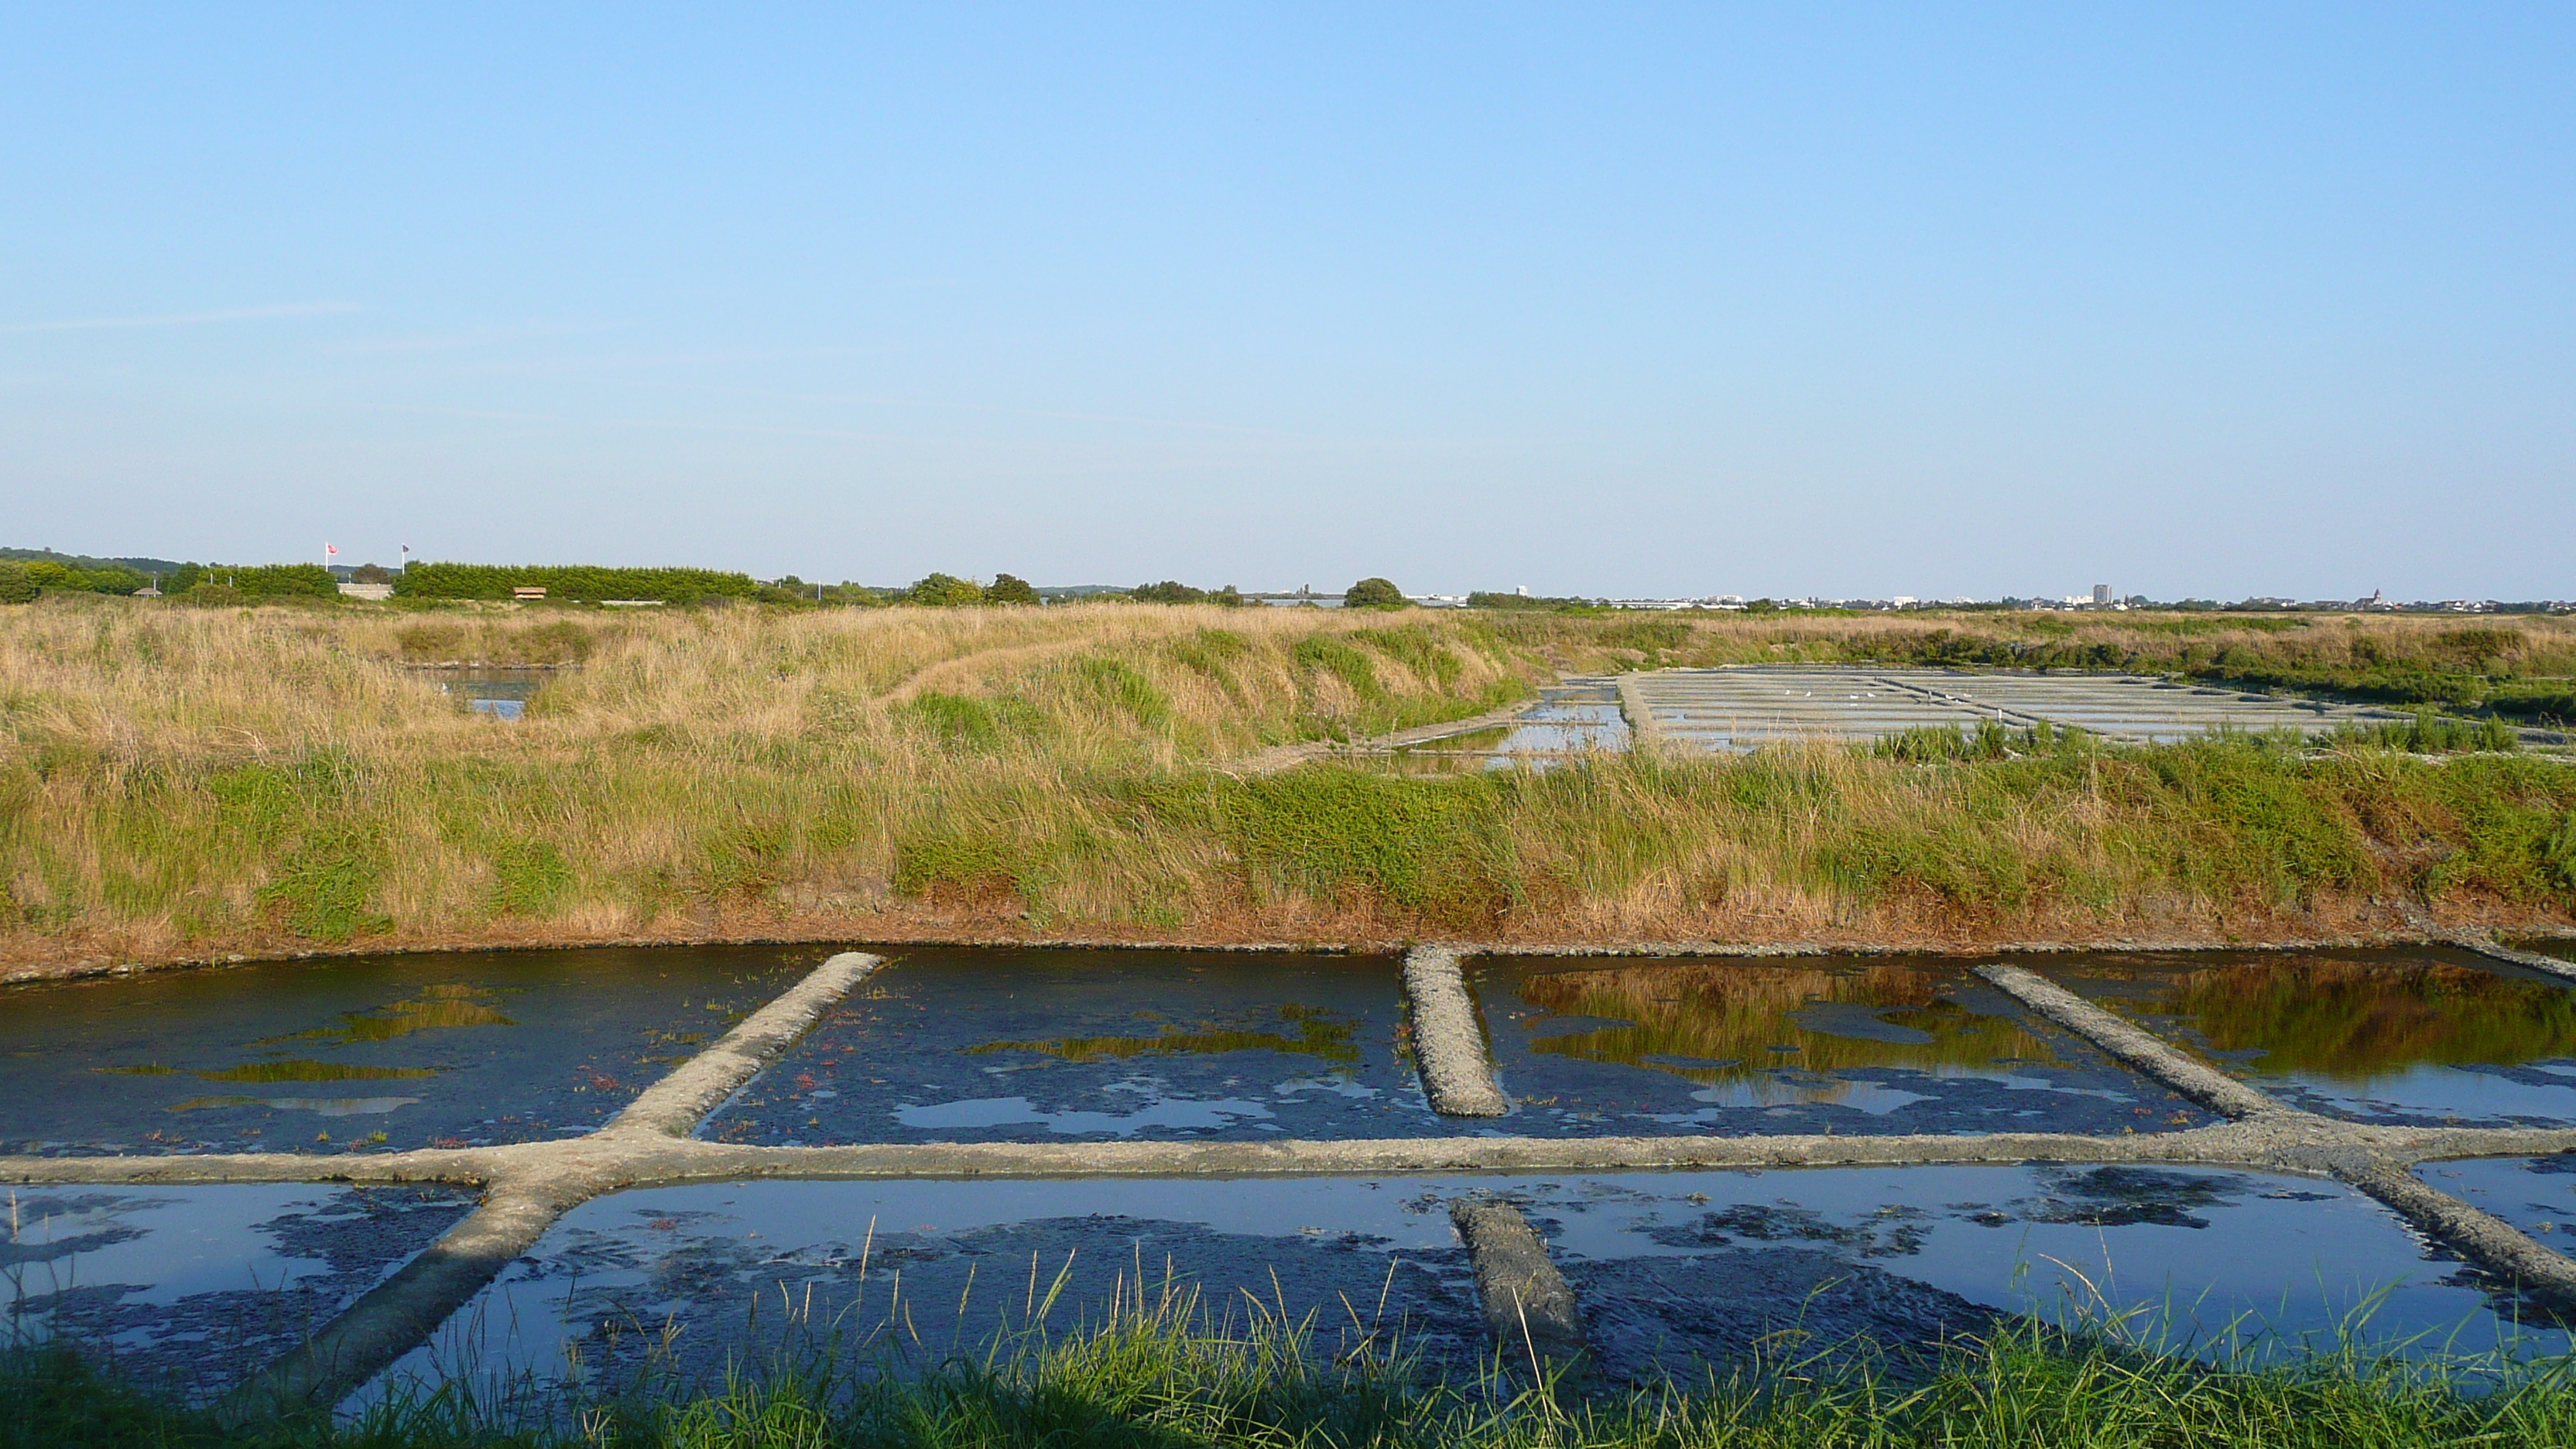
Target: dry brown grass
x,y
182,783
162,768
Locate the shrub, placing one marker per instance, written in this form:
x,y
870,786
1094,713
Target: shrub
x,y
944,591
275,581
579,582
1169,591
15,586
2559,855
435,641
1373,594
1010,589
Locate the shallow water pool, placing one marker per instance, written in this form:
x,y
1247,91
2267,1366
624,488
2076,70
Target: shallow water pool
x,y
1821,1044
2417,1036
187,1289
1673,1271
453,1049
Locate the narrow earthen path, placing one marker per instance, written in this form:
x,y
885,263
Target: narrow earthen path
x,y
1286,757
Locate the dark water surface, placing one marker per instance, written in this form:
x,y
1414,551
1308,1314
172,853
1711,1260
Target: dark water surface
x,y
1881,1045
990,1046
1672,1270
187,1289
2535,1194
2418,1036
468,1048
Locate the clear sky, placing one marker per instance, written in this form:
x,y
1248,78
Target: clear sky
x,y
1848,299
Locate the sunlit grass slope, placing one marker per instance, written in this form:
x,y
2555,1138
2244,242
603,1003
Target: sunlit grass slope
x,y
180,783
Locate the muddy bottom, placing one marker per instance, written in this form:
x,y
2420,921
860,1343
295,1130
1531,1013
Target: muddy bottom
x,y
1884,1046
993,1046
366,1054
187,1289
1676,1273
2417,1036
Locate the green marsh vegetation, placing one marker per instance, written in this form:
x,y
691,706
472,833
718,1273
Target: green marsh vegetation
x,y
180,783
1162,1376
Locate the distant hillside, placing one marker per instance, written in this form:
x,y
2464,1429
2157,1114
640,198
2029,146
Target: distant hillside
x,y
87,564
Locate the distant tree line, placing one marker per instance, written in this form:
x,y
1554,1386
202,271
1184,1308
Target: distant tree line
x,y
30,573
582,583
21,580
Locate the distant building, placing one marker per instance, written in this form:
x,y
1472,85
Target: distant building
x,y
2101,596
377,592
528,593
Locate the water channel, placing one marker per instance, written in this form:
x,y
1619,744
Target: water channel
x,y
1676,1270
502,693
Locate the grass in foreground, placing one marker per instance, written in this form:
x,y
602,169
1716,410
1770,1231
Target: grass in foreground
x,y
1158,1383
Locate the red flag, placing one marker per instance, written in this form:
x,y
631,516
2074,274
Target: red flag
x,y
329,552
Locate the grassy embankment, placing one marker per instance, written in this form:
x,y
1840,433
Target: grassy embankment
x,y
1156,1380
182,783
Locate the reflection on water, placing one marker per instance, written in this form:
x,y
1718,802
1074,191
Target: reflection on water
x,y
2372,1035
301,1070
1565,722
438,1049
2535,1194
440,1006
1769,1034
501,692
1674,1271
1177,1113
1013,1045
322,1106
186,1289
1319,1033
1876,1044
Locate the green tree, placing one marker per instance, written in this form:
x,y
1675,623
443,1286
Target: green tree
x,y
1373,594
15,586
1010,589
1169,591
944,591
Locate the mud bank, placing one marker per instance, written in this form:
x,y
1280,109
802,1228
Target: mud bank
x,y
39,960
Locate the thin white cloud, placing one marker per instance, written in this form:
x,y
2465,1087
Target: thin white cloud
x,y
454,341
182,319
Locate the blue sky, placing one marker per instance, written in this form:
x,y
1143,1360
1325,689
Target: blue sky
x,y
1842,299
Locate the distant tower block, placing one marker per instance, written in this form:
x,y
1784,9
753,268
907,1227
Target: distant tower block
x,y
2101,594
